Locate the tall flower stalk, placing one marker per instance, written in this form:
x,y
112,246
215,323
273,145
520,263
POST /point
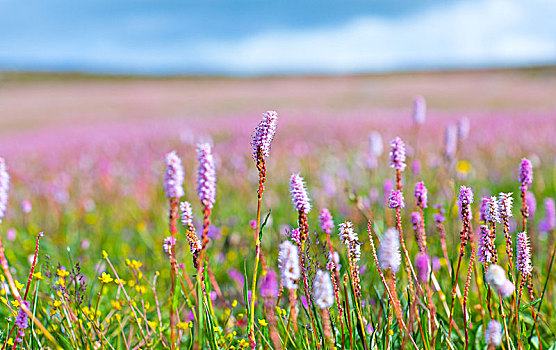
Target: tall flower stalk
x,y
261,144
302,204
206,191
525,179
326,224
173,185
465,199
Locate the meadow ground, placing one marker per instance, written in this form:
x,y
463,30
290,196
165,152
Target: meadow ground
x,y
86,159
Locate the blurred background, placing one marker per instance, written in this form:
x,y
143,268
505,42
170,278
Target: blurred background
x,y
94,93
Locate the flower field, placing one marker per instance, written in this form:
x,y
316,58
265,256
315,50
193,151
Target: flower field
x,y
322,224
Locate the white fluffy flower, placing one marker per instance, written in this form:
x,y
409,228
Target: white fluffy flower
x,y
288,261
389,251
322,290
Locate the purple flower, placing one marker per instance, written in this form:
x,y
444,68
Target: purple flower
x,y
26,206
169,242
450,141
288,261
389,251
298,192
415,219
436,263
423,267
493,334
419,110
421,194
173,178
439,217
236,276
523,258
269,286
186,213
387,187
325,218
549,221
295,236
465,199
397,154
463,128
531,203
22,321
505,202
264,134
485,250
482,210
525,174
323,293
4,187
396,199
206,176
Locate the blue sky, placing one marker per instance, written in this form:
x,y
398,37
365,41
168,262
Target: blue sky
x,y
273,37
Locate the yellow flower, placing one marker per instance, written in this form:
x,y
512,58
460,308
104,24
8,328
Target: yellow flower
x,y
234,303
18,285
4,300
38,275
60,282
116,305
136,264
104,254
57,303
263,323
62,273
15,303
131,283
153,324
239,316
10,342
183,325
463,167
105,278
141,289
118,281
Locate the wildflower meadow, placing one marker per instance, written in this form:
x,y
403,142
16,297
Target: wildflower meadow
x,y
257,231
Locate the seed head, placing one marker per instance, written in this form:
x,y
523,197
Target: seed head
x,y
397,154
206,175
496,278
288,261
298,192
493,334
323,292
389,251
264,134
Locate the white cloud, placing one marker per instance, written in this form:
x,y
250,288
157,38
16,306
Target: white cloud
x,y
492,32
